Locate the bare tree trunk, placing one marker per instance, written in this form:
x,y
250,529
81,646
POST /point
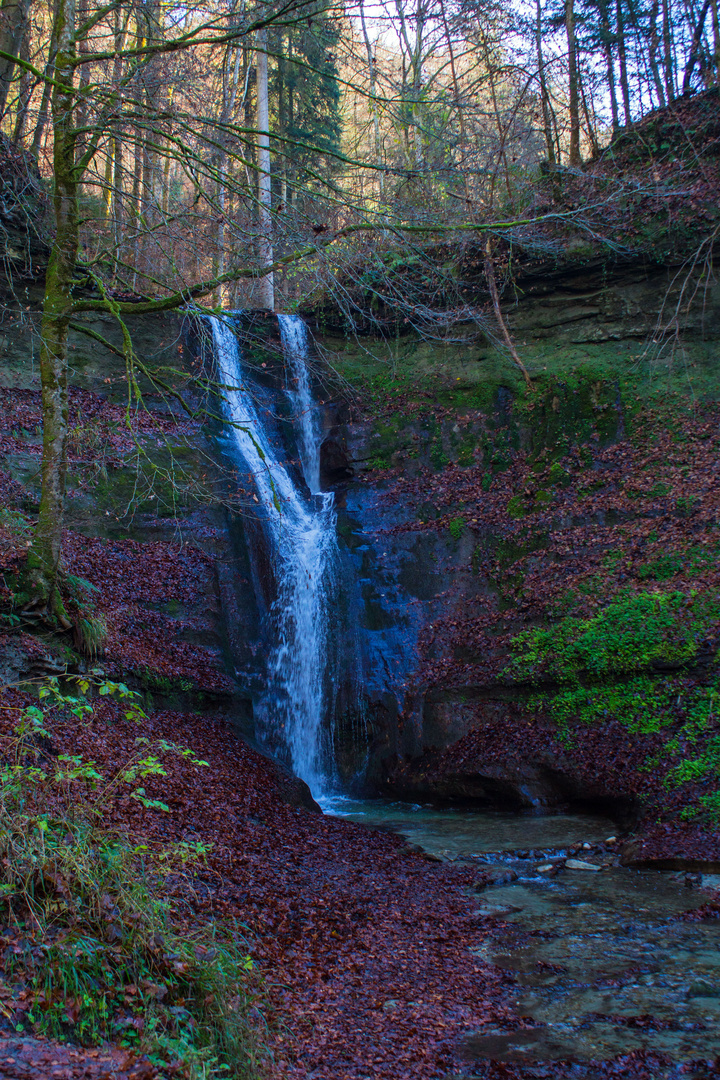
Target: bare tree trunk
x,y
44,555
13,27
547,120
695,46
588,118
373,98
134,214
45,100
25,92
607,39
654,45
573,95
622,56
495,297
668,51
118,208
265,287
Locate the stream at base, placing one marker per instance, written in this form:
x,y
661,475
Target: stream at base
x,y
604,963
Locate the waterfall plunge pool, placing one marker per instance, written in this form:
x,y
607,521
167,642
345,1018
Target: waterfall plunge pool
x,y
603,961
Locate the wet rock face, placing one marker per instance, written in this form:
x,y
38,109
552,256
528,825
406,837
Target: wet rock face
x,y
474,517
334,464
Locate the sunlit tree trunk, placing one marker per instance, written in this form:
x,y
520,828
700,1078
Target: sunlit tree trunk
x,y
25,90
372,85
13,27
265,291
45,100
587,113
607,37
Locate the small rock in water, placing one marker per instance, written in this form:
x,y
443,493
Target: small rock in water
x,y
495,875
611,840
545,868
496,909
579,864
703,988
588,847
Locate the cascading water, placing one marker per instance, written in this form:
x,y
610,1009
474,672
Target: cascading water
x,y
301,532
293,334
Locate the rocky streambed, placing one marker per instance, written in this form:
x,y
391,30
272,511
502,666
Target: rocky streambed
x,y
615,971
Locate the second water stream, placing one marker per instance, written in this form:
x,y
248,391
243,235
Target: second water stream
x,y
604,961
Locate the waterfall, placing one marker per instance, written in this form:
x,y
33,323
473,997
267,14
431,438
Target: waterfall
x,y
300,529
293,333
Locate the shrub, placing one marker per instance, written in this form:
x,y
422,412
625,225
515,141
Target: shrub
x,y
93,938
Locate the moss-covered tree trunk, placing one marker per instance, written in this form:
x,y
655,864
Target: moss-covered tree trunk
x,y
44,557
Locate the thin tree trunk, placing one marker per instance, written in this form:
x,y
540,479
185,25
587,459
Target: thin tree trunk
x,y
668,51
607,39
622,56
45,552
265,287
373,98
13,27
547,120
495,297
588,119
25,92
573,96
45,100
654,45
134,214
695,46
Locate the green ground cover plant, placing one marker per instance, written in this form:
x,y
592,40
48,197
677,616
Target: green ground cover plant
x,y
99,935
631,634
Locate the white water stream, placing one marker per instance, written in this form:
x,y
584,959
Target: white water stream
x,y
300,529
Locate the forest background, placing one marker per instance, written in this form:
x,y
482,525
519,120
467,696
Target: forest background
x,y
309,153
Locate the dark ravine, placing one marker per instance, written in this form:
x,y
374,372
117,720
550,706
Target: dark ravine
x,y
467,513
448,506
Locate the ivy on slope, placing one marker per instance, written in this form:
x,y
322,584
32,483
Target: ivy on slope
x,y
604,666
632,633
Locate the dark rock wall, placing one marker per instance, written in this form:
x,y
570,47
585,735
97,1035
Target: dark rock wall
x,y
465,493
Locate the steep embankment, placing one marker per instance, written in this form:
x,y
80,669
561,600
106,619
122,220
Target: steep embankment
x,y
550,555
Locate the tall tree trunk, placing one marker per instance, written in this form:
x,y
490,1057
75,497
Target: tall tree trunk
x,y
265,291
654,45
668,52
606,35
622,56
45,100
372,80
44,555
13,26
695,46
25,92
573,94
544,97
587,113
